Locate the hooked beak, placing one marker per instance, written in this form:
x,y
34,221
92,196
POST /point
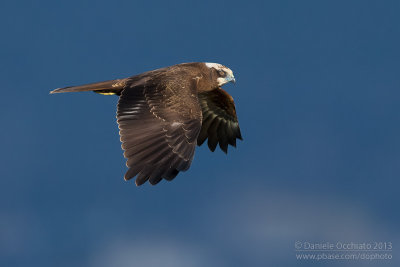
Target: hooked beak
x,y
231,79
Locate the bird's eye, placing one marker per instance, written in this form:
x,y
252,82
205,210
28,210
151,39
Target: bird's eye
x,y
221,72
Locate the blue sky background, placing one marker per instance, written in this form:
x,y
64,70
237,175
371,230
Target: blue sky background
x,y
317,96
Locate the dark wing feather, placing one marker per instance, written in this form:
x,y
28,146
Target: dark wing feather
x,y
158,135
220,123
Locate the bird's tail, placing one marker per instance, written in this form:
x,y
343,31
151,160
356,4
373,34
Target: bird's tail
x,y
111,87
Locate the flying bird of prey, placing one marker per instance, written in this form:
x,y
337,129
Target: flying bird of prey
x,y
162,114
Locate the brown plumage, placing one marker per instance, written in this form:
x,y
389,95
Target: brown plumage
x,y
162,115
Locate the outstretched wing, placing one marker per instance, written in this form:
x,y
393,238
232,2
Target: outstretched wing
x,y
158,132
220,124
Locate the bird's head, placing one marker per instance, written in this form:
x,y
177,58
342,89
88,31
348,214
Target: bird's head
x,y
220,73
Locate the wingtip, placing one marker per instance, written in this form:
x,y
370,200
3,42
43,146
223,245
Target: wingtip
x,y
136,181
239,135
224,148
139,182
127,178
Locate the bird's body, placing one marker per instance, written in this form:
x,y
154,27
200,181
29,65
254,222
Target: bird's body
x,y
162,115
